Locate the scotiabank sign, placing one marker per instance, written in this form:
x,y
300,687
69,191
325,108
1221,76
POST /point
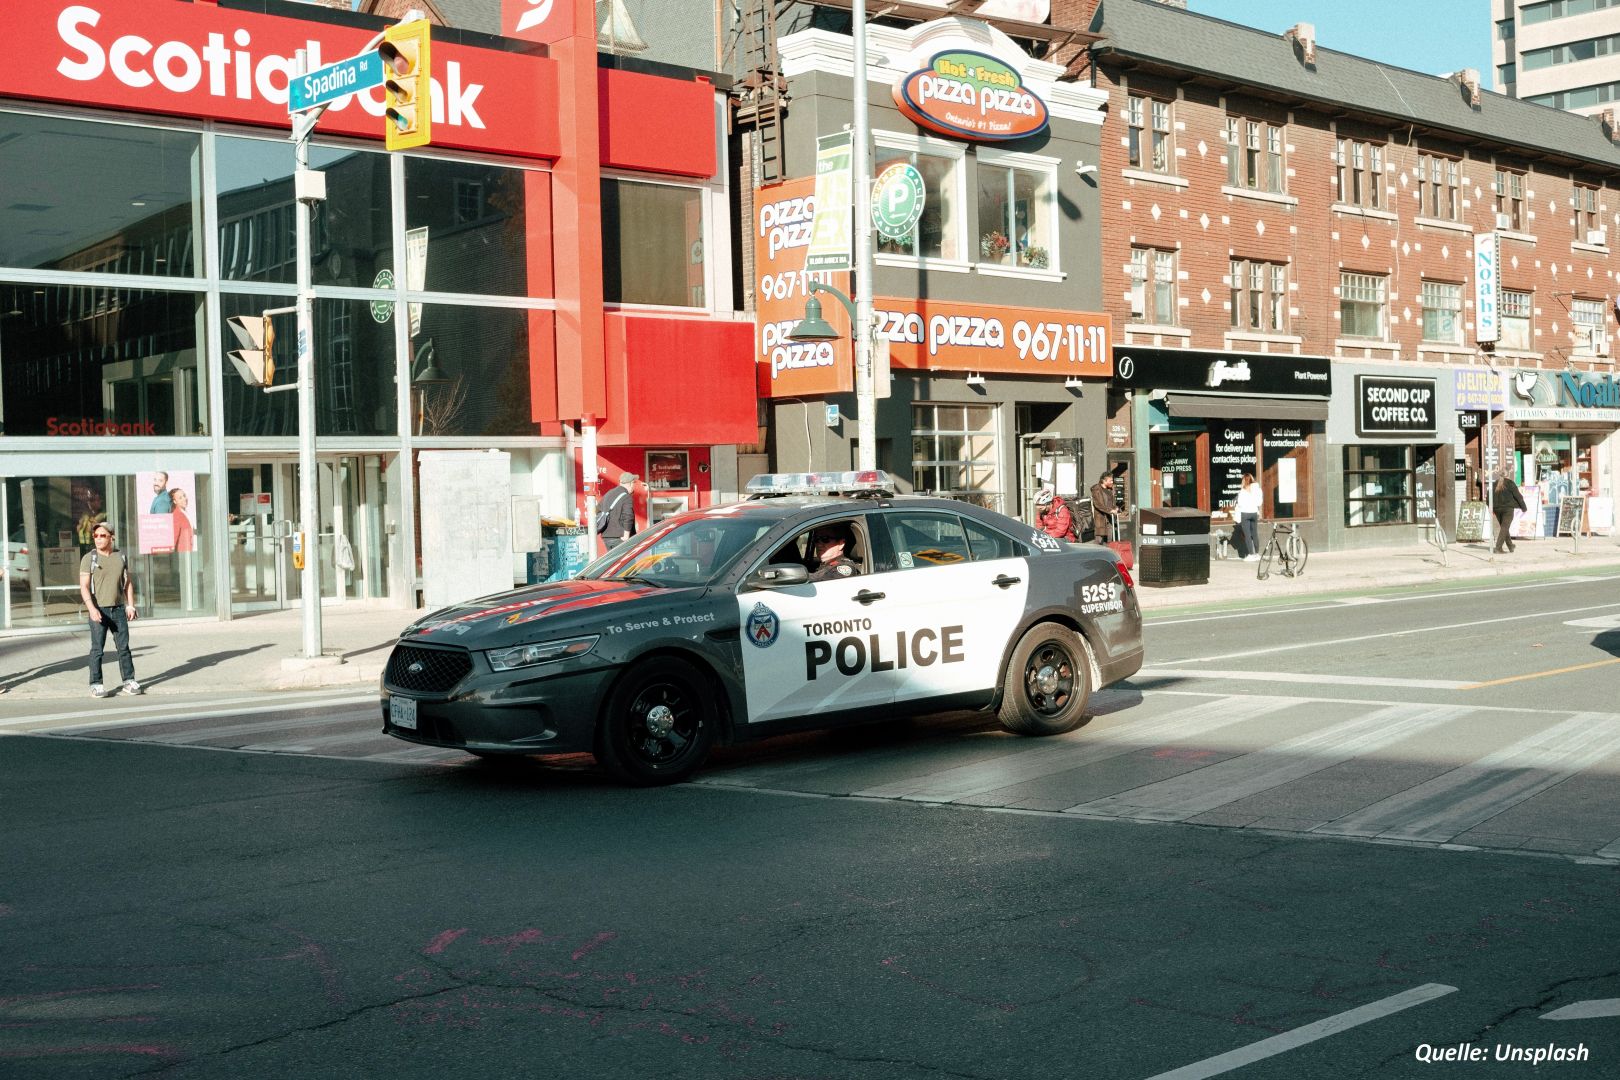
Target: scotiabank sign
x,y
201,60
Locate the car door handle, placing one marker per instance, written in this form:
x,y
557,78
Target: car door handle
x,y
1004,582
866,596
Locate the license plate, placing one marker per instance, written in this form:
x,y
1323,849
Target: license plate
x,y
402,712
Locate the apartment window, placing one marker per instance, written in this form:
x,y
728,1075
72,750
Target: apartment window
x,y
940,231
1361,305
1505,30
954,453
1587,227
1147,122
1361,168
1507,74
1153,286
1259,296
1379,485
1591,335
1016,211
1442,313
1580,97
1570,52
1437,187
652,244
1254,154
1509,189
1513,314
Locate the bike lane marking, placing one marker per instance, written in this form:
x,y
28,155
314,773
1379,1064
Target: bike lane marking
x,y
1300,1036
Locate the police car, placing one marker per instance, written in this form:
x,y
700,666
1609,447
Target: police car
x,y
719,625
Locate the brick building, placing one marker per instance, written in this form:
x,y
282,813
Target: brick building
x,y
1364,284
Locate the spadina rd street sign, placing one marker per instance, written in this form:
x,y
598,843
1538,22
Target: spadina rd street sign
x,y
897,201
333,81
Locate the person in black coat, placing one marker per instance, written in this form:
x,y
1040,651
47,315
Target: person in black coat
x,y
616,513
1505,498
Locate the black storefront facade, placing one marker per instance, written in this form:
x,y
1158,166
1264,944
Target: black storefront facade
x,y
1198,420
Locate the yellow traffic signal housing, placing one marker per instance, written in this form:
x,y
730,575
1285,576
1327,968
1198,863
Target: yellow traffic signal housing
x,y
407,85
255,361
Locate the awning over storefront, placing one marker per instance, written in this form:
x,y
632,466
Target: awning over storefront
x,y
1240,407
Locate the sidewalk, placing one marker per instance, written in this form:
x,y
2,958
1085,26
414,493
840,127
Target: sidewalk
x,y
246,655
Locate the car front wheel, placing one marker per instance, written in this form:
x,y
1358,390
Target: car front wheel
x,y
1048,682
658,724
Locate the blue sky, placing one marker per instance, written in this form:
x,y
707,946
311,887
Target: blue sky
x,y
1431,36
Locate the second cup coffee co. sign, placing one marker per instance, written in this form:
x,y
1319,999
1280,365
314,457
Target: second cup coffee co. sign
x,y
1393,405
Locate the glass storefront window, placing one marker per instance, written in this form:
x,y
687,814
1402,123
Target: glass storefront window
x,y
169,555
652,244
1285,471
953,453
467,227
351,235
130,208
102,360
938,232
1175,464
1379,486
470,370
1015,214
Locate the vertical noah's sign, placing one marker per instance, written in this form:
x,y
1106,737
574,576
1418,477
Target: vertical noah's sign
x,y
968,95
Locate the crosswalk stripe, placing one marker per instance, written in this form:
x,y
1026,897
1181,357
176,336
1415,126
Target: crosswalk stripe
x,y
1040,758
1190,794
1454,802
130,715
1308,679
227,731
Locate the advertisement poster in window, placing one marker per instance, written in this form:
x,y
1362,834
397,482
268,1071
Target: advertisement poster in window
x,y
669,470
166,512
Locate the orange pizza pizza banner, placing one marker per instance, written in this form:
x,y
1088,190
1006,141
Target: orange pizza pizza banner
x,y
783,214
948,335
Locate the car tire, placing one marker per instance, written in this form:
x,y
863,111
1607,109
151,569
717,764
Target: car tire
x,y
657,725
1048,683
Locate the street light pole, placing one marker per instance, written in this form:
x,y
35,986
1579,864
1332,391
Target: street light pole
x,y
861,166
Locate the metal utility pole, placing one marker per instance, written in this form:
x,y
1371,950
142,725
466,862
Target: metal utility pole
x,y
861,166
309,511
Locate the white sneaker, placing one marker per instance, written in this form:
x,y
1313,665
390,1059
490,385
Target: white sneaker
x,y
97,690
1251,558
133,687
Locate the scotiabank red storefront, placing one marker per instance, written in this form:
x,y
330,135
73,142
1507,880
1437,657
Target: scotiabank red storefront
x,y
551,274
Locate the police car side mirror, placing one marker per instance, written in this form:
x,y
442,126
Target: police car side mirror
x,y
777,576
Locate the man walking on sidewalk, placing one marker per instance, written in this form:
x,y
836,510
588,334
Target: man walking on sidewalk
x,y
103,580
1505,498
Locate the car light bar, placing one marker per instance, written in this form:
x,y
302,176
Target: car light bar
x,y
850,482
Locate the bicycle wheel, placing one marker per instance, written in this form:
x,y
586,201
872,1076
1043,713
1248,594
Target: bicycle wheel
x,y
1263,569
1296,555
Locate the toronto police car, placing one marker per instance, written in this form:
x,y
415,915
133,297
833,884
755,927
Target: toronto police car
x,y
822,600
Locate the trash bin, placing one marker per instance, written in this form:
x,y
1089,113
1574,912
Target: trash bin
x,y
566,551
1172,546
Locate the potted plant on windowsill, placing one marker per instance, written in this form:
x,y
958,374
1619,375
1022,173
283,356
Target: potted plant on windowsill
x,y
994,245
1034,257
906,245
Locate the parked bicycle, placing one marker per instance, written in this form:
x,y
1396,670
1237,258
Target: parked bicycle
x,y
1286,548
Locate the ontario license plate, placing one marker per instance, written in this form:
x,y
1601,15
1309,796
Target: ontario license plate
x,y
402,712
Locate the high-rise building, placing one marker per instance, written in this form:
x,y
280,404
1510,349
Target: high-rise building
x,y
1562,53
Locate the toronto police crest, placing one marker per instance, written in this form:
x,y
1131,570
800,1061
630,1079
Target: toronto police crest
x,y
763,626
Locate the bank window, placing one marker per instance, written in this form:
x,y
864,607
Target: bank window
x,y
1259,296
1379,486
652,244
953,453
1153,286
1513,312
1361,173
940,232
1361,305
1254,154
1588,226
1508,188
1442,312
1147,123
1437,187
1016,211
1591,335
466,223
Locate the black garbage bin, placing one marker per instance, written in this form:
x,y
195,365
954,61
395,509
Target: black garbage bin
x,y
1172,546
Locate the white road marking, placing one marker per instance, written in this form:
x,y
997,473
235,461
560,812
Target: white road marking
x,y
1190,794
225,731
141,714
1293,677
1610,851
1321,1029
1586,1010
1601,622
1454,802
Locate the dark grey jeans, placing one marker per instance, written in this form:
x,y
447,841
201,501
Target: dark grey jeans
x,y
119,622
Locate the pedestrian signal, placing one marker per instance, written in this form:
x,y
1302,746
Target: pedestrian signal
x,y
407,85
255,361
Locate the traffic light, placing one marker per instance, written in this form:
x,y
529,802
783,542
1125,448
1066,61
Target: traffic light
x,y
255,361
407,86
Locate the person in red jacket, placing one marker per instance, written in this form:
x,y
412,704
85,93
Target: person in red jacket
x,y
1052,515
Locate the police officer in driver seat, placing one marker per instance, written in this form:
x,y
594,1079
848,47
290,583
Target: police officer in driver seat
x,y
830,545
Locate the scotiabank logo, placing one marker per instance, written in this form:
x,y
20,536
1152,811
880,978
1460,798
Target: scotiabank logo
x,y
221,69
83,425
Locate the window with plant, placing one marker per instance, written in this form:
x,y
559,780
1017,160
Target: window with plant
x,y
937,234
1016,208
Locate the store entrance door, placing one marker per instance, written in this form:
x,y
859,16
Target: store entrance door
x,y
353,543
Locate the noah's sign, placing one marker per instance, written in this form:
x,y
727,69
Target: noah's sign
x,y
968,95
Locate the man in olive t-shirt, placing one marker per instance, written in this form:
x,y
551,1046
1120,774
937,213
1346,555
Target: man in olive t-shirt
x,y
103,581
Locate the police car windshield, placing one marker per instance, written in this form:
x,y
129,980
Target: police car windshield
x,y
690,550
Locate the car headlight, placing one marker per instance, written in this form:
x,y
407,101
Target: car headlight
x,y
540,653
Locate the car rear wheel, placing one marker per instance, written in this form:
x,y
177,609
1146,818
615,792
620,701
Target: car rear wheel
x,y
1048,682
658,724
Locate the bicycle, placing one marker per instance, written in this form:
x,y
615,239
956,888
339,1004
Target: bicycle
x,y
1287,547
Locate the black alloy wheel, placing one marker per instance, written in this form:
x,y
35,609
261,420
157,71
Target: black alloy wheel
x,y
1048,682
657,725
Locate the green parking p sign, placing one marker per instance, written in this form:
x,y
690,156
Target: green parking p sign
x,y
897,201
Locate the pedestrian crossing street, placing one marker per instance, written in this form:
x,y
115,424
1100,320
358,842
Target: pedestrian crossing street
x,y
1534,780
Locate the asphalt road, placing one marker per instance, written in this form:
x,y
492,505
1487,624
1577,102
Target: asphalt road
x,y
1161,895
